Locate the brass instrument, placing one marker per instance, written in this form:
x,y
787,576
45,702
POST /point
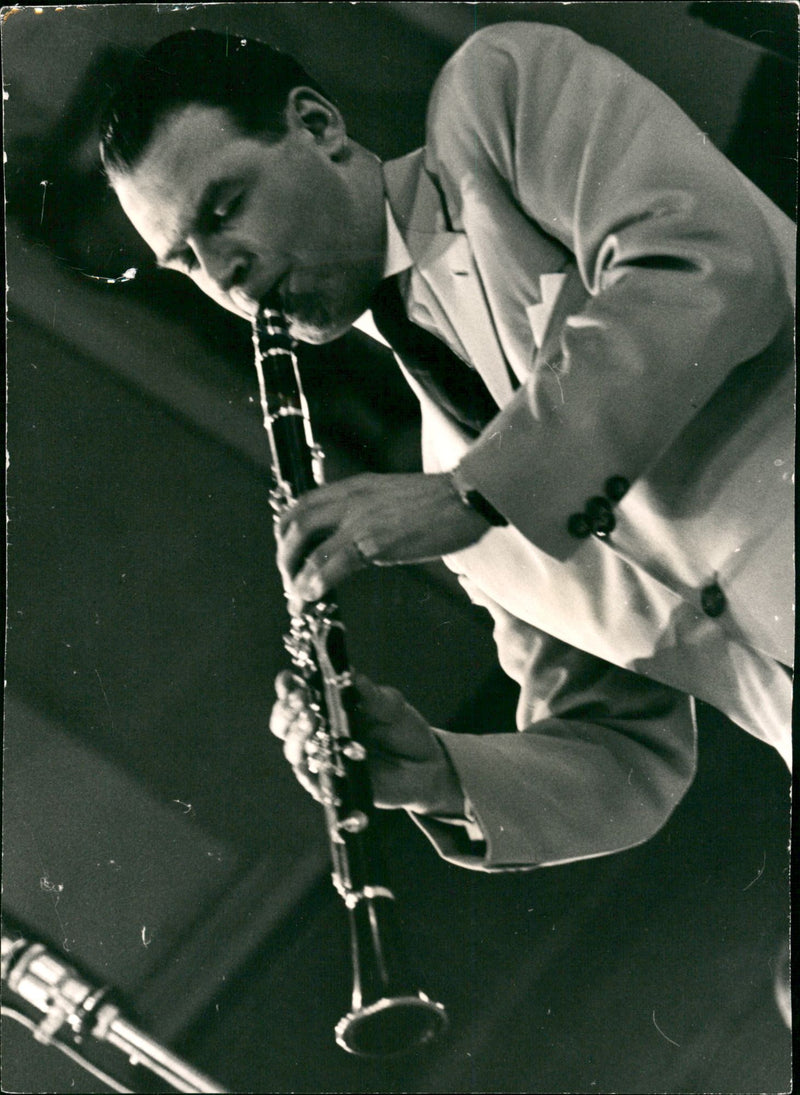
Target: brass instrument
x,y
386,1016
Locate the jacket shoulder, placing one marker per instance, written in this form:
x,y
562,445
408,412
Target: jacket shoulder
x,y
506,70
513,47
516,38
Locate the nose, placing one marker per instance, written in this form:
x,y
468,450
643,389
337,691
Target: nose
x,y
226,269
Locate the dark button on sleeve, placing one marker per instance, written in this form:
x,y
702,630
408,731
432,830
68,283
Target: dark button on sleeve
x,y
713,600
597,507
603,524
600,517
617,487
578,526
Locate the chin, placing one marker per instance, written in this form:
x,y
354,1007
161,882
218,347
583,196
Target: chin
x,y
317,324
317,336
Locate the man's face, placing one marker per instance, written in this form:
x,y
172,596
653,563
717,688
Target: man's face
x,y
244,218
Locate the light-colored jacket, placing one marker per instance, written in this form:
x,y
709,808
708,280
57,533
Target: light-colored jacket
x,y
571,228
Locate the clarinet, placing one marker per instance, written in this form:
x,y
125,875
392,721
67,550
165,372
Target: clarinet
x,y
386,1017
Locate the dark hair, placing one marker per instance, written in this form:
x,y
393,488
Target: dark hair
x,y
248,78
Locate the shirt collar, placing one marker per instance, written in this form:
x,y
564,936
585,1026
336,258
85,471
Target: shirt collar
x,y
397,256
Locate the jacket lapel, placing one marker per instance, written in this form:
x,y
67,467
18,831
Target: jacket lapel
x,y
445,291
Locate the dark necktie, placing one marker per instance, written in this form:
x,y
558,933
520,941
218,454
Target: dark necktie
x,y
456,387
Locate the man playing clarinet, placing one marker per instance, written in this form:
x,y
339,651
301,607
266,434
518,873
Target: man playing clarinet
x,y
594,308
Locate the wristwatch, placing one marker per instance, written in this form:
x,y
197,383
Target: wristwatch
x,y
474,500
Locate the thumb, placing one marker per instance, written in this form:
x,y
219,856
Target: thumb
x,y
377,703
392,726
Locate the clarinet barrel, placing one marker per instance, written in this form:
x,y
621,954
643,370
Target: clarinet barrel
x,y
387,1016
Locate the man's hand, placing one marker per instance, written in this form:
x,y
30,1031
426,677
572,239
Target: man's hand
x,y
407,765
368,519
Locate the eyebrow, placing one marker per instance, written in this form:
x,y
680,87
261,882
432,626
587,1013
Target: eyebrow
x,y
208,200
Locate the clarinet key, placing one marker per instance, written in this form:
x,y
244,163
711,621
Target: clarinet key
x,y
354,750
355,822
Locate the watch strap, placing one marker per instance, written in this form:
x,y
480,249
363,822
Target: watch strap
x,y
474,500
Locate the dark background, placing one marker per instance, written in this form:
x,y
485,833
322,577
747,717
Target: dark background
x,y
152,832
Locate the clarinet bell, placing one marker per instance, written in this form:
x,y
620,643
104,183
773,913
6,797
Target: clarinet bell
x,y
391,1026
387,1017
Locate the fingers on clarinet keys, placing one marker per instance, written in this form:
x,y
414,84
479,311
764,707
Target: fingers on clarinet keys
x,y
299,746
321,574
291,720
311,754
287,684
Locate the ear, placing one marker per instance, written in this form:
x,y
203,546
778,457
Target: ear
x,y
307,109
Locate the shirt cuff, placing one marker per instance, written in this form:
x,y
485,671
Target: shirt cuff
x,y
468,822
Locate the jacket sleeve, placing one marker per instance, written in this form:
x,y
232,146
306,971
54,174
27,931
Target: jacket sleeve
x,y
683,263
600,759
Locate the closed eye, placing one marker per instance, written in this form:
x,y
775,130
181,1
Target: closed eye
x,y
220,212
218,206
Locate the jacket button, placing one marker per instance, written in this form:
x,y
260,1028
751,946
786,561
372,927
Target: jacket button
x,y
603,524
600,517
597,507
578,526
713,600
617,487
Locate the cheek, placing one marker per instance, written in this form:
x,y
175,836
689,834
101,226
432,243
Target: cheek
x,y
313,216
274,220
265,230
